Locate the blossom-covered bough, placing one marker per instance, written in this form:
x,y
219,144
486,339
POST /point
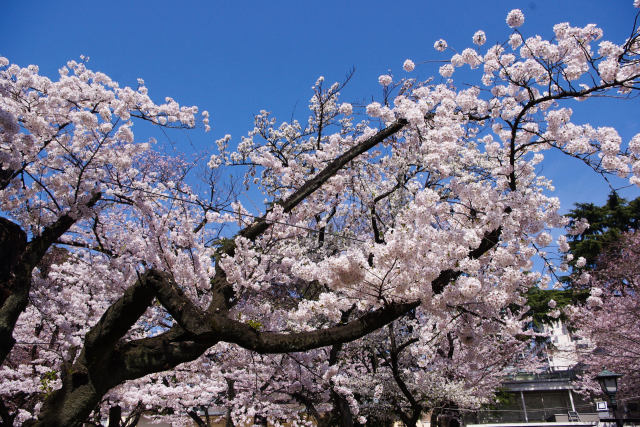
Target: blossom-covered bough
x,y
610,319
431,207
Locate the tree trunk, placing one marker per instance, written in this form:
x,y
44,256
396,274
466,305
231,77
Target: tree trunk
x,y
342,415
6,418
13,291
115,416
196,418
70,406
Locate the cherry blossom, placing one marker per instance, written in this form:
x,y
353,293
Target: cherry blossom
x,y
609,319
515,18
479,38
405,231
440,45
385,80
408,65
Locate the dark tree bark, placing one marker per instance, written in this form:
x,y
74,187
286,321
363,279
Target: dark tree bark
x,y
13,242
6,417
115,416
231,394
341,414
18,260
413,417
196,418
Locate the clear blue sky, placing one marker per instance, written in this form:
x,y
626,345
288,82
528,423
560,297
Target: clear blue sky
x,y
234,58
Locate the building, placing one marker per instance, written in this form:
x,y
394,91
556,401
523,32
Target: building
x,y
547,395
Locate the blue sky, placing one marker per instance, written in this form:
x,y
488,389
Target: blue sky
x,y
235,58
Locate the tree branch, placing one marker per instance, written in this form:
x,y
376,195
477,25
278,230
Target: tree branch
x,y
489,240
310,186
273,342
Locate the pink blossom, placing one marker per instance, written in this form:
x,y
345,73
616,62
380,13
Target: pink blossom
x,y
346,109
374,109
479,38
408,65
440,45
515,18
385,79
446,70
515,40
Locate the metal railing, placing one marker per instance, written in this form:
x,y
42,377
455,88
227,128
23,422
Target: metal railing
x,y
565,375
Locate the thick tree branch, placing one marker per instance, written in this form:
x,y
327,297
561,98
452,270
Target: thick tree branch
x,y
310,186
38,246
415,405
13,241
141,357
119,318
17,267
273,342
489,240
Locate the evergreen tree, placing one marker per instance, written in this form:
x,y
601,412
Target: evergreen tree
x,y
606,225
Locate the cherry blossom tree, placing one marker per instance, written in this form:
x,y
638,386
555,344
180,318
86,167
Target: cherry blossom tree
x,y
418,366
116,276
610,319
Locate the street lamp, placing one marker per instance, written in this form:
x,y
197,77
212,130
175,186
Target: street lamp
x,y
609,383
